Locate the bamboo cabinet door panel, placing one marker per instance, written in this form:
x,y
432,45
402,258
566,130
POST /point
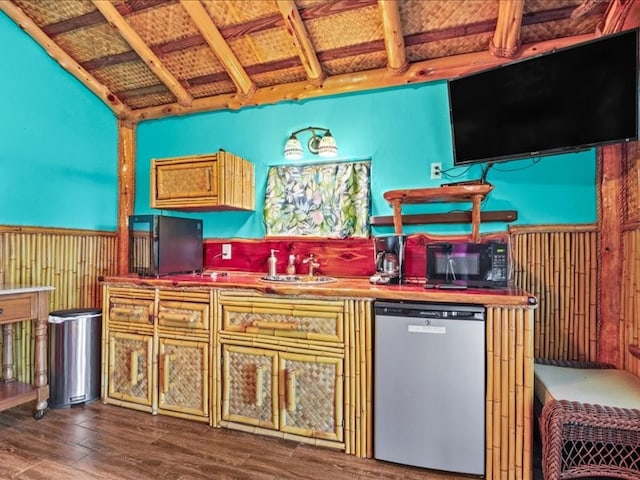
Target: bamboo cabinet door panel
x,y
183,376
131,367
182,181
249,389
311,393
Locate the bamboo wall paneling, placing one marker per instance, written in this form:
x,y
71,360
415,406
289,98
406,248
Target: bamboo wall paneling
x,y
69,260
630,298
558,265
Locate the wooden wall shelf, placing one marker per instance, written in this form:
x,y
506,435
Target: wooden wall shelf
x,y
450,217
445,194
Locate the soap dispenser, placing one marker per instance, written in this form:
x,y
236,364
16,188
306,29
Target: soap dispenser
x,y
272,263
291,266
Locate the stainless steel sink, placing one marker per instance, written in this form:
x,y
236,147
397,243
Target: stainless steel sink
x,y
298,279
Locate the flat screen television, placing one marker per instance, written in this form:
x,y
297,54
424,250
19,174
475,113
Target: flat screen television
x,y
566,100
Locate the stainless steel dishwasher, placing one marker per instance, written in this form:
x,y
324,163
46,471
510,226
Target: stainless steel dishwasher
x,y
429,385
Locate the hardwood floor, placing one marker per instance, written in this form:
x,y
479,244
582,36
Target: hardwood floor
x,y
102,442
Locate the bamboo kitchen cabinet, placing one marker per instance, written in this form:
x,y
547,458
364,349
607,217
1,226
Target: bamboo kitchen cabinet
x,y
284,367
156,355
217,181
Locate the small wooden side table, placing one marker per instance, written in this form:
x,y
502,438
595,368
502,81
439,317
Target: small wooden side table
x,y
17,304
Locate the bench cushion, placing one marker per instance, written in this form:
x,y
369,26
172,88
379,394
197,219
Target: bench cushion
x,y
607,387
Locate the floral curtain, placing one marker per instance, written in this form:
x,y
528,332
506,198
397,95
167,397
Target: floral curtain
x,y
322,200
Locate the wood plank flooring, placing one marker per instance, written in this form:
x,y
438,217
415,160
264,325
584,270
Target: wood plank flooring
x,y
101,442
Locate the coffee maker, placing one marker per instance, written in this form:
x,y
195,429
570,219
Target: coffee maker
x,y
389,259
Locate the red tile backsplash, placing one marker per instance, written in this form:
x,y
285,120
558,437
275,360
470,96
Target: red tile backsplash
x,y
343,258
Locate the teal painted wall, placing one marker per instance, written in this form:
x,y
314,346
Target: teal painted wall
x,y
402,130
58,142
58,159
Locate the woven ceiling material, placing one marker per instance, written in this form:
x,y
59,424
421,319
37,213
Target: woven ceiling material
x,y
46,12
326,47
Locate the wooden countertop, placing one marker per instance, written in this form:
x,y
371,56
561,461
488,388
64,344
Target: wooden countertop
x,y
9,289
343,287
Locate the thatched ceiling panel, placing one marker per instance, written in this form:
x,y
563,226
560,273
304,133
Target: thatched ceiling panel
x,y
267,58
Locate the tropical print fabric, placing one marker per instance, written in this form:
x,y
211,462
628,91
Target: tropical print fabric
x,y
323,200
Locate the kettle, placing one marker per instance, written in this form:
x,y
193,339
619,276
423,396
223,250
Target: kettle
x,y
387,263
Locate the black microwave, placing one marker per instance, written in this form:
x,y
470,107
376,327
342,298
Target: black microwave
x,y
162,245
468,264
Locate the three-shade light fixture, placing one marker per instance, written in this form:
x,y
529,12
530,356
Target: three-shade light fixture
x,y
324,145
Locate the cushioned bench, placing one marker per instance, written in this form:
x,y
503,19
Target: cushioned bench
x,y
589,419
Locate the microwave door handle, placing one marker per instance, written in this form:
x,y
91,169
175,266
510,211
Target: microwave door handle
x,y
450,269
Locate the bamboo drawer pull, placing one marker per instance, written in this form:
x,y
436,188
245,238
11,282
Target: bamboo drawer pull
x,y
135,362
292,399
179,317
275,325
260,384
165,366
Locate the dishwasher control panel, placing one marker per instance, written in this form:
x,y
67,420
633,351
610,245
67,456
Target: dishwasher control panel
x,y
430,310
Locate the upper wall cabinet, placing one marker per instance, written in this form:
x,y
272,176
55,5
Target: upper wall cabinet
x,y
217,181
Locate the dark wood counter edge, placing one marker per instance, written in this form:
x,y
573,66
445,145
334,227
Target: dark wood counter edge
x,y
344,287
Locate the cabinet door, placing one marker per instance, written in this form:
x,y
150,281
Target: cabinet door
x,y
131,367
183,376
178,183
311,389
249,389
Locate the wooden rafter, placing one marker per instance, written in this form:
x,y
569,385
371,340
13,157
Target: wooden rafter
x,y
426,71
298,32
114,17
393,36
64,59
219,46
506,39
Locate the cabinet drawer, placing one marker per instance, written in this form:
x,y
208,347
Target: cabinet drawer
x,y
295,318
131,311
183,315
16,308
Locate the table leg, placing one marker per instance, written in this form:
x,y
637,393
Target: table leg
x,y
7,352
40,361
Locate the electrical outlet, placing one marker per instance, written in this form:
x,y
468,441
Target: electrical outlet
x,y
226,251
436,171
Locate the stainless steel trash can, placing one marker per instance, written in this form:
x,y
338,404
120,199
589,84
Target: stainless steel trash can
x,y
74,356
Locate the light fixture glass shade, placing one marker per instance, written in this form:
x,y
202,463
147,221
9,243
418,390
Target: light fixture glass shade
x,y
293,149
328,147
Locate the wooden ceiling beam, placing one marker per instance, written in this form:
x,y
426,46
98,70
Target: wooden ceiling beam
x,y
419,72
506,39
64,59
220,48
118,22
298,32
393,36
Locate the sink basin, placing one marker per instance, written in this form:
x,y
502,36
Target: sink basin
x,y
298,279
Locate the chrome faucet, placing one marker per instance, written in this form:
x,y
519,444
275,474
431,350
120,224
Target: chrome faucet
x,y
313,264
